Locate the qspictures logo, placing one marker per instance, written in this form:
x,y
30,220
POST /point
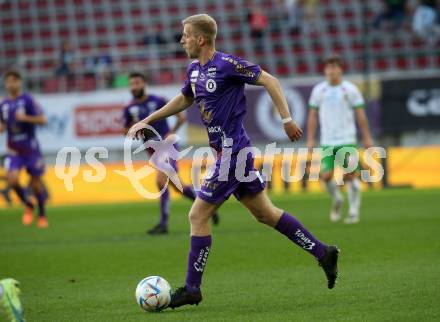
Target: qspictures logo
x,y
164,155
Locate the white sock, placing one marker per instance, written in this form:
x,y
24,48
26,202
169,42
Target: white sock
x,y
354,197
334,190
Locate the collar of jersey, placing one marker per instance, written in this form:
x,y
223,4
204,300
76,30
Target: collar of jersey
x,y
209,61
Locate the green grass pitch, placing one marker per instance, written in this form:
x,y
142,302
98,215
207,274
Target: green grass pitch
x,y
85,267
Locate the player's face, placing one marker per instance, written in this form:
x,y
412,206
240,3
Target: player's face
x,y
137,87
333,73
12,84
189,42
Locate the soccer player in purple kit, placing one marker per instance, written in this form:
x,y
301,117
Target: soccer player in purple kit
x,y
19,116
142,105
215,82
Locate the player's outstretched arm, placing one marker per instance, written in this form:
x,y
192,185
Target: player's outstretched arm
x,y
33,119
175,106
273,87
312,122
363,127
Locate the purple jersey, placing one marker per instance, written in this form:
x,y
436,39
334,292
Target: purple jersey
x,y
137,111
22,139
218,90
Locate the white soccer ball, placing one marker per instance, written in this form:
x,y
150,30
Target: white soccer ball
x,y
153,293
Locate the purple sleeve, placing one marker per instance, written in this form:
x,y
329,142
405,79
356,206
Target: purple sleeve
x,y
126,118
32,108
162,103
241,70
186,88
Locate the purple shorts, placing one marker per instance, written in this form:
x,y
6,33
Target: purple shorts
x,y
34,163
221,183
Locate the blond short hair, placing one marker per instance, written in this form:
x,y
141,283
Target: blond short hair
x,y
204,25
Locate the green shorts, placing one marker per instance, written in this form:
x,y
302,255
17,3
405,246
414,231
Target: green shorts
x,y
329,153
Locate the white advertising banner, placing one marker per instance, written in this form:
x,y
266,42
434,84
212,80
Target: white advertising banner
x,y
86,119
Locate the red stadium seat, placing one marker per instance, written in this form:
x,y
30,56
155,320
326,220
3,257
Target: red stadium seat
x,y
302,68
381,64
402,63
51,85
282,70
422,62
123,26
87,83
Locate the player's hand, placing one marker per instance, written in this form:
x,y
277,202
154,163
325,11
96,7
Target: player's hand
x,y
293,131
21,117
136,131
169,134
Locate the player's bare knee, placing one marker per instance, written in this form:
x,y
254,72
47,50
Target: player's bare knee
x,y
13,180
197,218
349,176
160,185
161,182
36,184
327,176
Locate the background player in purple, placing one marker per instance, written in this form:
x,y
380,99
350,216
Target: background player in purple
x,y
215,82
142,105
19,116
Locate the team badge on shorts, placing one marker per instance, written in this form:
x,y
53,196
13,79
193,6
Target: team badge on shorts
x,y
211,85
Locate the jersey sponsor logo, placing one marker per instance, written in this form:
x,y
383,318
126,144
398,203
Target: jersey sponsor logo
x,y
7,163
194,75
134,112
214,129
16,135
212,71
20,110
211,85
4,111
202,76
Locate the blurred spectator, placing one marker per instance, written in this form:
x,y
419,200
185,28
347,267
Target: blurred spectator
x,y
155,37
258,23
425,19
310,9
294,13
153,41
104,70
65,66
310,14
394,11
100,67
